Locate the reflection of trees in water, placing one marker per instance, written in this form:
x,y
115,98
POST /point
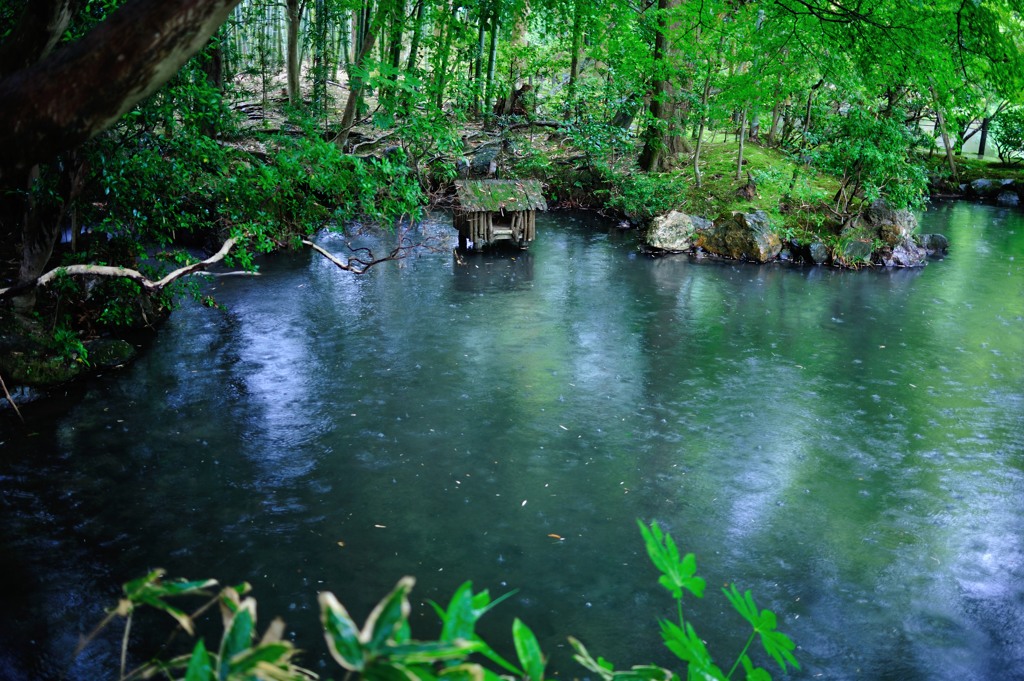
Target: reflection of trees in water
x,y
720,398
494,271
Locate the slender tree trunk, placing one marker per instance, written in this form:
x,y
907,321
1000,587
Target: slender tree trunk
x,y
492,54
417,36
477,70
983,140
807,113
945,135
441,75
518,41
295,10
773,130
704,98
577,44
355,83
320,59
279,39
739,157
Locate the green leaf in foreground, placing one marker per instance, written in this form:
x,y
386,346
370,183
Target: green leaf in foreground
x,y
677,572
764,622
528,650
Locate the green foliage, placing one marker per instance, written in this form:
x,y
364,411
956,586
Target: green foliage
x,y
678,572
871,153
1008,131
67,344
764,622
383,648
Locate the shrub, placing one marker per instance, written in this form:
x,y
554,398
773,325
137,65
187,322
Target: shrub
x,y
1008,131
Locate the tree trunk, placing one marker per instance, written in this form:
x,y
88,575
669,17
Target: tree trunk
x,y
518,41
72,94
80,90
295,11
492,53
663,139
983,140
704,97
945,135
577,44
355,83
739,158
417,36
477,72
441,74
37,32
627,112
397,28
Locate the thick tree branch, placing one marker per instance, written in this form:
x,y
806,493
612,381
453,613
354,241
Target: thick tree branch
x,y
125,272
36,34
82,89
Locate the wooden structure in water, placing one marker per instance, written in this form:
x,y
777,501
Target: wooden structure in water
x,y
489,211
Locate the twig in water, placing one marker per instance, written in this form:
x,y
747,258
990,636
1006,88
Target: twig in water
x,y
11,399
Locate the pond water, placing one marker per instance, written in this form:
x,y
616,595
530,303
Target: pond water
x,y
847,445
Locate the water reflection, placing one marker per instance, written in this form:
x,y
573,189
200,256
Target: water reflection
x,y
849,445
495,271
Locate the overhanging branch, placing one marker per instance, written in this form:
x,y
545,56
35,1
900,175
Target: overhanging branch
x,y
359,265
123,272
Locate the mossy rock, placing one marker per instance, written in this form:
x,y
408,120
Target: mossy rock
x,y
110,352
742,236
22,368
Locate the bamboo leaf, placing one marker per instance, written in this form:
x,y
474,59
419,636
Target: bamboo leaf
x,y
528,650
389,617
200,667
238,636
341,633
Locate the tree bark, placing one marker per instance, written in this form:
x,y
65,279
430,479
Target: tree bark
x,y
983,141
36,34
449,9
80,90
663,139
577,44
518,40
356,84
134,275
945,135
73,93
492,54
295,11
417,36
743,134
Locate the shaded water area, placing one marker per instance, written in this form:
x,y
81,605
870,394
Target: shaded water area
x,y
847,445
